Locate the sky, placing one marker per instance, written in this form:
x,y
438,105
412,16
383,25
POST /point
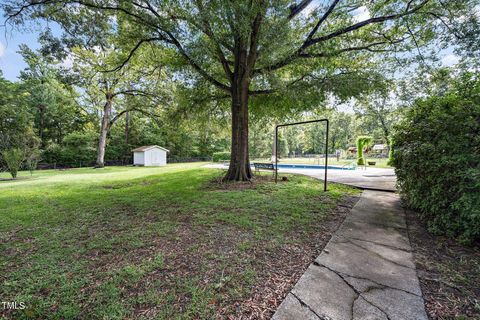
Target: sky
x,y
11,62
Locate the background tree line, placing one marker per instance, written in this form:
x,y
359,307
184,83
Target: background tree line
x,y
82,113
247,57
54,116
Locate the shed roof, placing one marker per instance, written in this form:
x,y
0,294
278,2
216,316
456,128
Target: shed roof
x,y
379,147
146,148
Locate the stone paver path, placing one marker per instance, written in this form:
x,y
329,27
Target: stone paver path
x,y
366,271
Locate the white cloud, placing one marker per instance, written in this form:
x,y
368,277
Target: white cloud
x,y
450,60
2,49
68,62
308,10
361,14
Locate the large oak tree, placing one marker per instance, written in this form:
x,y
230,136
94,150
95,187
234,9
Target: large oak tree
x,y
249,48
111,90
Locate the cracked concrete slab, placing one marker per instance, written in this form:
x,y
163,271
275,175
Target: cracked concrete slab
x,y
319,288
294,309
365,311
366,270
394,302
398,256
349,259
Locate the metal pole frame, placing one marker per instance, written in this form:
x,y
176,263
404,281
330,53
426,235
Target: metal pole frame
x,y
326,147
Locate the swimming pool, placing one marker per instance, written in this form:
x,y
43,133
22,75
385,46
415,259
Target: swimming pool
x,y
303,166
310,166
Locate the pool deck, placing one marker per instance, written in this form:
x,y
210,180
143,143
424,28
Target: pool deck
x,y
370,178
381,179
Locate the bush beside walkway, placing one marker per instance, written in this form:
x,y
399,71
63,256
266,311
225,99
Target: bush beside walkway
x,y
437,160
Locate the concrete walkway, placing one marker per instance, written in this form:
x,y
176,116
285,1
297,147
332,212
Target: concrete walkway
x,y
365,271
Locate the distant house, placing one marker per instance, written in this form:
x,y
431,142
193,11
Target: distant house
x,y
380,149
150,156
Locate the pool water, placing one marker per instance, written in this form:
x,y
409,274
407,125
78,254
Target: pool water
x,y
305,166
310,166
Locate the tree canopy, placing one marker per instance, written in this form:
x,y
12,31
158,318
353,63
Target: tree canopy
x,y
260,49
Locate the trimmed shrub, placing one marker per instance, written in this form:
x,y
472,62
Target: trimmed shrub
x,y
437,161
13,159
362,142
220,156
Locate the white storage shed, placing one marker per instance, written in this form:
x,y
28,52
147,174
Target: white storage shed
x,y
150,156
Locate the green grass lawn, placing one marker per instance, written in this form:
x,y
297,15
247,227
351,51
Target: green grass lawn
x,y
163,243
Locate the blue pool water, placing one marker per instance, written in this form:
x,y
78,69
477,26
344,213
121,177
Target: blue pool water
x,y
310,166
304,166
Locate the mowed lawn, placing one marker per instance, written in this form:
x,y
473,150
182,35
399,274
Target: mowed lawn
x,y
156,243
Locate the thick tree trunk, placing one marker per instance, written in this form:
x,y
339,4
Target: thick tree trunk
x,y
239,169
102,141
245,55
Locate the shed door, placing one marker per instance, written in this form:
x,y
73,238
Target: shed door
x,y
138,158
155,157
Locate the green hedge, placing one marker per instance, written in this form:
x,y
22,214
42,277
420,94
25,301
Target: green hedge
x,y
437,161
220,156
